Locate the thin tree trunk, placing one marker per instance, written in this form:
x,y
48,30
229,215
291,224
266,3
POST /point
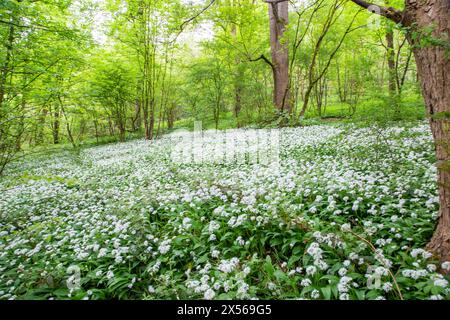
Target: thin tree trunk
x,y
40,127
69,130
279,19
390,54
391,61
111,127
237,80
55,127
96,129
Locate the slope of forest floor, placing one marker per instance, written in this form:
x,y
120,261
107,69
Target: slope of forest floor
x,y
336,212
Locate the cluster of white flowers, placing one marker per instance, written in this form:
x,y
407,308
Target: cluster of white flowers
x,y
237,221
414,274
110,274
242,289
440,283
164,247
228,266
215,253
213,226
187,223
330,239
202,286
315,252
415,253
446,266
342,272
343,287
271,286
305,282
315,294
387,287
209,294
311,270
240,241
379,256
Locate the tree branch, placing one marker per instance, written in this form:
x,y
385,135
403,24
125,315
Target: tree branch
x,y
196,15
275,1
390,13
263,57
32,26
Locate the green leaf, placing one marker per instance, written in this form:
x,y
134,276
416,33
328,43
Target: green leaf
x,y
280,275
294,259
360,294
326,291
268,267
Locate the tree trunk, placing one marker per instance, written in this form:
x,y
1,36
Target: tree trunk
x,y
96,129
433,67
279,19
121,133
237,80
390,54
56,115
151,126
111,127
136,120
171,116
40,127
146,125
21,124
69,130
391,60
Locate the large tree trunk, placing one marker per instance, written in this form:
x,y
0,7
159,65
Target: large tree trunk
x,y
279,19
433,67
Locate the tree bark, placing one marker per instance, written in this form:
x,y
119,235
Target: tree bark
x,y
55,127
237,81
433,67
136,120
391,60
279,19
96,129
40,127
69,130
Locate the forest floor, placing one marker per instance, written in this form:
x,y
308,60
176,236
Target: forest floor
x,y
332,211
